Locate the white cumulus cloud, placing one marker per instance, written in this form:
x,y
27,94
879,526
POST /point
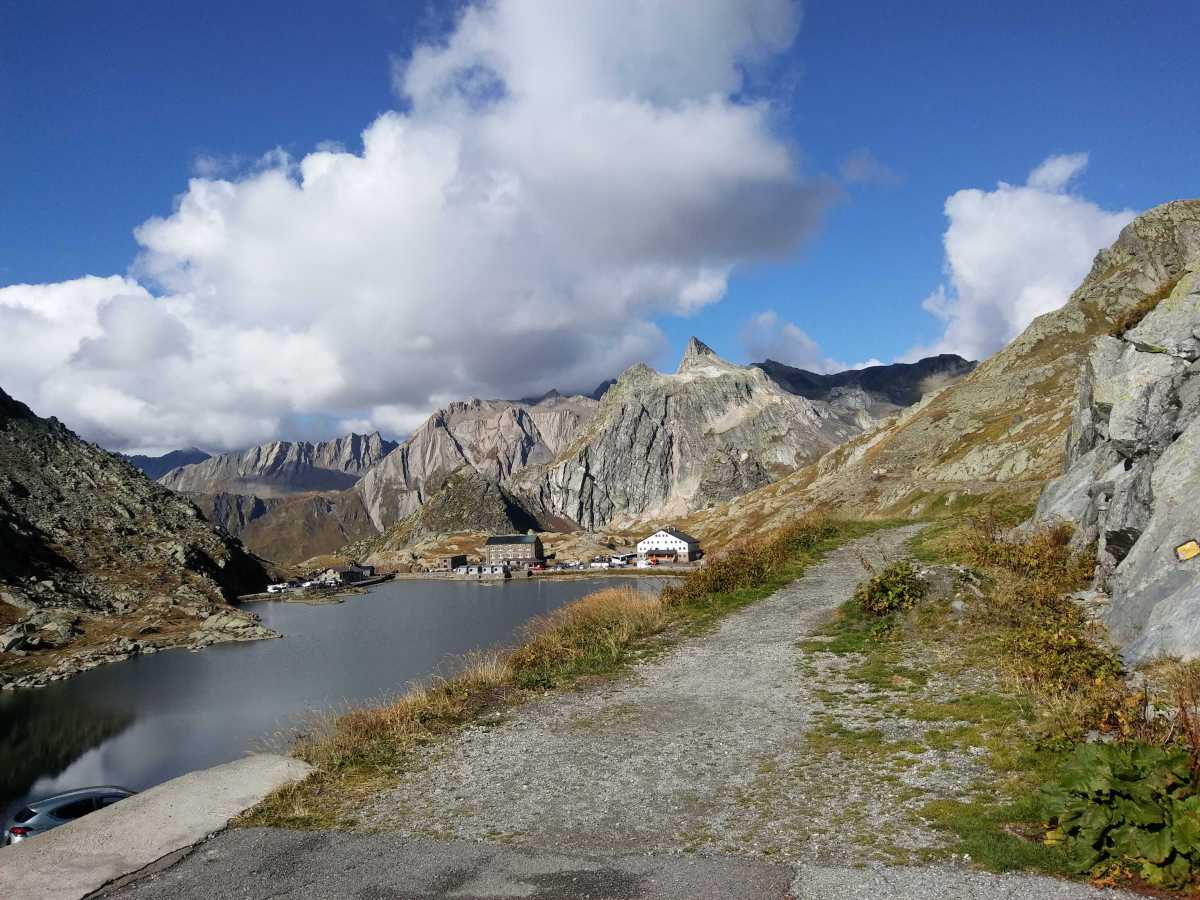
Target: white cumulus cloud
x,y
1014,253
551,183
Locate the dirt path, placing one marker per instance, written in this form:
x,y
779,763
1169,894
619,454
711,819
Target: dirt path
x,y
701,750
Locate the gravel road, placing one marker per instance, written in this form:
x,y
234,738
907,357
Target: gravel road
x,y
658,761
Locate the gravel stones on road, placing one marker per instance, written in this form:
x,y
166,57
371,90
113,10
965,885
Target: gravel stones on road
x,y
665,760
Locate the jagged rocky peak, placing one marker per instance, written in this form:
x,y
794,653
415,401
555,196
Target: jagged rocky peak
x,y
280,468
701,359
496,438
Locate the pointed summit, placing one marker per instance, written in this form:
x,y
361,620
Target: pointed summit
x,y
699,355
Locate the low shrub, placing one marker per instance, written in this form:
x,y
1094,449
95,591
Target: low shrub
x,y
896,588
1132,806
1133,315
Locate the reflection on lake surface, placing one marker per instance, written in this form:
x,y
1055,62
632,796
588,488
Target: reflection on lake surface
x,y
140,722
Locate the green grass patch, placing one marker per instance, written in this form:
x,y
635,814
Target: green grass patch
x,y
986,831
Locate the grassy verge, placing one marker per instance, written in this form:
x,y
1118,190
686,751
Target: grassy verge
x,y
996,666
358,753
1092,772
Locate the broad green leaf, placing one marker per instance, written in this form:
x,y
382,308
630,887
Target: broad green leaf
x,y
1155,845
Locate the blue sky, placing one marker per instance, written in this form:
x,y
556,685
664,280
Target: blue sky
x,y
105,110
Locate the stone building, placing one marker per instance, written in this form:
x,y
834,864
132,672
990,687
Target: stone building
x,y
513,550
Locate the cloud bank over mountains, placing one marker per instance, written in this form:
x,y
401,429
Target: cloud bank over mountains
x,y
1014,253
550,185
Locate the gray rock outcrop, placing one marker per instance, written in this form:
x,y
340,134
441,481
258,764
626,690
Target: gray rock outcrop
x,y
158,466
1131,481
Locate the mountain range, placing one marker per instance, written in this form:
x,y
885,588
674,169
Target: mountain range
x,y
653,445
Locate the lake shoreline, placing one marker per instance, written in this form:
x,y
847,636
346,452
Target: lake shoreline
x,y
163,714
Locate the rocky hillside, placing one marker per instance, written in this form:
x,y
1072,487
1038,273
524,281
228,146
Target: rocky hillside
x,y
656,444
283,467
1131,481
158,466
1002,429
666,444
96,560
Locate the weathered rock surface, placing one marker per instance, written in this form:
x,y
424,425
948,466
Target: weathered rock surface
x,y
656,444
883,390
496,438
283,467
467,501
666,444
1131,482
92,551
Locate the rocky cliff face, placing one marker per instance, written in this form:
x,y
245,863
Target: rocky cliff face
x,y
665,444
496,438
93,554
283,467
655,445
883,390
1131,481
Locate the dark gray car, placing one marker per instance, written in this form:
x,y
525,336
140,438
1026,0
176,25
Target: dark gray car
x,y
42,815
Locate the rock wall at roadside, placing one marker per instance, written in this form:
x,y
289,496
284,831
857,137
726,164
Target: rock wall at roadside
x,y
1131,481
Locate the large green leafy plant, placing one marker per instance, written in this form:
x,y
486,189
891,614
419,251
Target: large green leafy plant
x,y
1131,804
898,587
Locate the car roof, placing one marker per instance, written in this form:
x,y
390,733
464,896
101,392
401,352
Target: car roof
x,y
77,794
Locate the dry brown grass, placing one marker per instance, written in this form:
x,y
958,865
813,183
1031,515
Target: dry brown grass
x,y
590,635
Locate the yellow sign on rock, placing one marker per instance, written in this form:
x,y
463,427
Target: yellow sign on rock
x,y
1187,551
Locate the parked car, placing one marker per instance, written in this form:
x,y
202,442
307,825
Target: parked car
x,y
42,815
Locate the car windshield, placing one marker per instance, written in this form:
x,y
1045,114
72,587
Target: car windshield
x,y
24,815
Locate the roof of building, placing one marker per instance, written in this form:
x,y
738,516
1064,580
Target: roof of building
x,y
680,535
511,539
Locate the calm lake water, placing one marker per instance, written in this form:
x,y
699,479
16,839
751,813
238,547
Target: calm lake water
x,y
140,722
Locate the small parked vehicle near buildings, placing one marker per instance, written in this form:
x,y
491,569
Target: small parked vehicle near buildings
x,y
42,815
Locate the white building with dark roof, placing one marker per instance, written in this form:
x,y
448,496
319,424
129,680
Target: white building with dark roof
x,y
669,544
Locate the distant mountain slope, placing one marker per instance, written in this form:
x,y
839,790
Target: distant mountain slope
x,y
1003,427
86,538
656,445
157,466
890,388
283,467
288,530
